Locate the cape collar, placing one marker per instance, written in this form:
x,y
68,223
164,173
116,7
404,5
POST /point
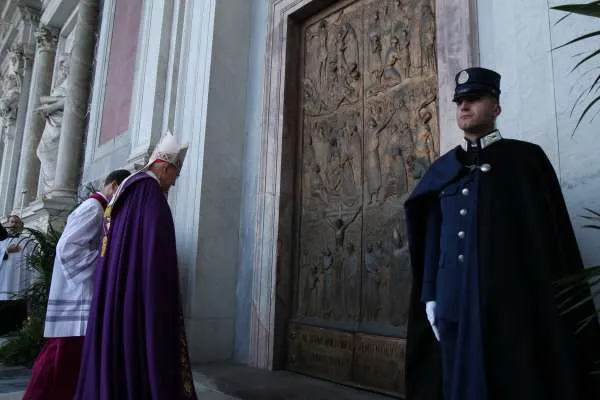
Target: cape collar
x,y
101,198
483,141
126,182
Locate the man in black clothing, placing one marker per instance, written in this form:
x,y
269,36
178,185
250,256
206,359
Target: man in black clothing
x,y
489,235
3,233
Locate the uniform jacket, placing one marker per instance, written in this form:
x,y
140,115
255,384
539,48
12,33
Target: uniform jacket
x,y
519,238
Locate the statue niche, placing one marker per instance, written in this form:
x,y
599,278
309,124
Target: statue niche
x,y
12,83
52,107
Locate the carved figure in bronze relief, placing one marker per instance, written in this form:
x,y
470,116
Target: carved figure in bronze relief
x,y
327,260
339,227
351,277
428,60
400,279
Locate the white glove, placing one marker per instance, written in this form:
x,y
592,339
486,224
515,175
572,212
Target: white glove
x,y
430,311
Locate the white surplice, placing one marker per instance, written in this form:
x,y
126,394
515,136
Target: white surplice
x,y
72,278
15,276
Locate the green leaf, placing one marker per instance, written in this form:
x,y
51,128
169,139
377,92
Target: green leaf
x,y
561,19
596,213
594,54
584,113
578,304
583,323
576,103
594,84
588,273
22,346
586,36
591,9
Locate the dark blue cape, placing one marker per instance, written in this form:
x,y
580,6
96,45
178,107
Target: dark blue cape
x,y
525,242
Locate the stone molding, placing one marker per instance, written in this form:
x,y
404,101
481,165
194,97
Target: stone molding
x,y
46,38
28,13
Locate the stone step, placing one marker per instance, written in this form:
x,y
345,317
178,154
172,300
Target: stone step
x,y
242,382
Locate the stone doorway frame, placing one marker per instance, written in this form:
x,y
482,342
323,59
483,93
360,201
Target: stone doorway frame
x,y
457,47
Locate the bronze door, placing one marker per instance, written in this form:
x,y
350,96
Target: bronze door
x,y
368,131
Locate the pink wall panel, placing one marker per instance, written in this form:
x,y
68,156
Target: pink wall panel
x,y
121,69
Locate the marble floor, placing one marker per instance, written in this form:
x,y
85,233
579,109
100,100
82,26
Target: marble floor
x,y
247,383
13,381
225,381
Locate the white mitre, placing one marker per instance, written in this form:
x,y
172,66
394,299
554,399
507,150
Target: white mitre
x,y
168,150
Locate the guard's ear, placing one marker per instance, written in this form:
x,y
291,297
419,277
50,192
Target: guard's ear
x,y
497,110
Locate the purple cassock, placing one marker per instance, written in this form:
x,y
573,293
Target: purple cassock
x,y
135,345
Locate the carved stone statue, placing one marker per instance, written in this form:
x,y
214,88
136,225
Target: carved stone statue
x,y
52,108
12,83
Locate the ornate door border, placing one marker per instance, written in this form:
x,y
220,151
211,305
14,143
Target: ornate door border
x,y
457,48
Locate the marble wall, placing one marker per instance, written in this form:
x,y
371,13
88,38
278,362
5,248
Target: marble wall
x,y
209,114
517,39
252,129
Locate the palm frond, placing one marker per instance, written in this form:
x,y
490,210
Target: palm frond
x,y
580,277
587,58
578,39
22,346
587,109
577,102
591,9
596,82
596,213
562,19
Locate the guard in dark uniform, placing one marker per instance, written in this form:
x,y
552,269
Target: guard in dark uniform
x,y
489,234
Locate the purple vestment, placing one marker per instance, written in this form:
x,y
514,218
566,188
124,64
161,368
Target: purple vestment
x,y
135,345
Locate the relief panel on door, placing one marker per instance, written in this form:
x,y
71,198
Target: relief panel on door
x,y
368,132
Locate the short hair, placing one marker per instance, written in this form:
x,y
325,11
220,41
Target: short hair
x,y
19,220
118,176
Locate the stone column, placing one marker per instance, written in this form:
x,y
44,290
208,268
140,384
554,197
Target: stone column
x,y
70,146
2,158
43,64
8,138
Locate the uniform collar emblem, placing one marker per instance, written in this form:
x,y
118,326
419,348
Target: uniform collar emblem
x,y
484,141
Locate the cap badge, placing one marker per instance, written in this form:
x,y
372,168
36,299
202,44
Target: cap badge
x,y
463,77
